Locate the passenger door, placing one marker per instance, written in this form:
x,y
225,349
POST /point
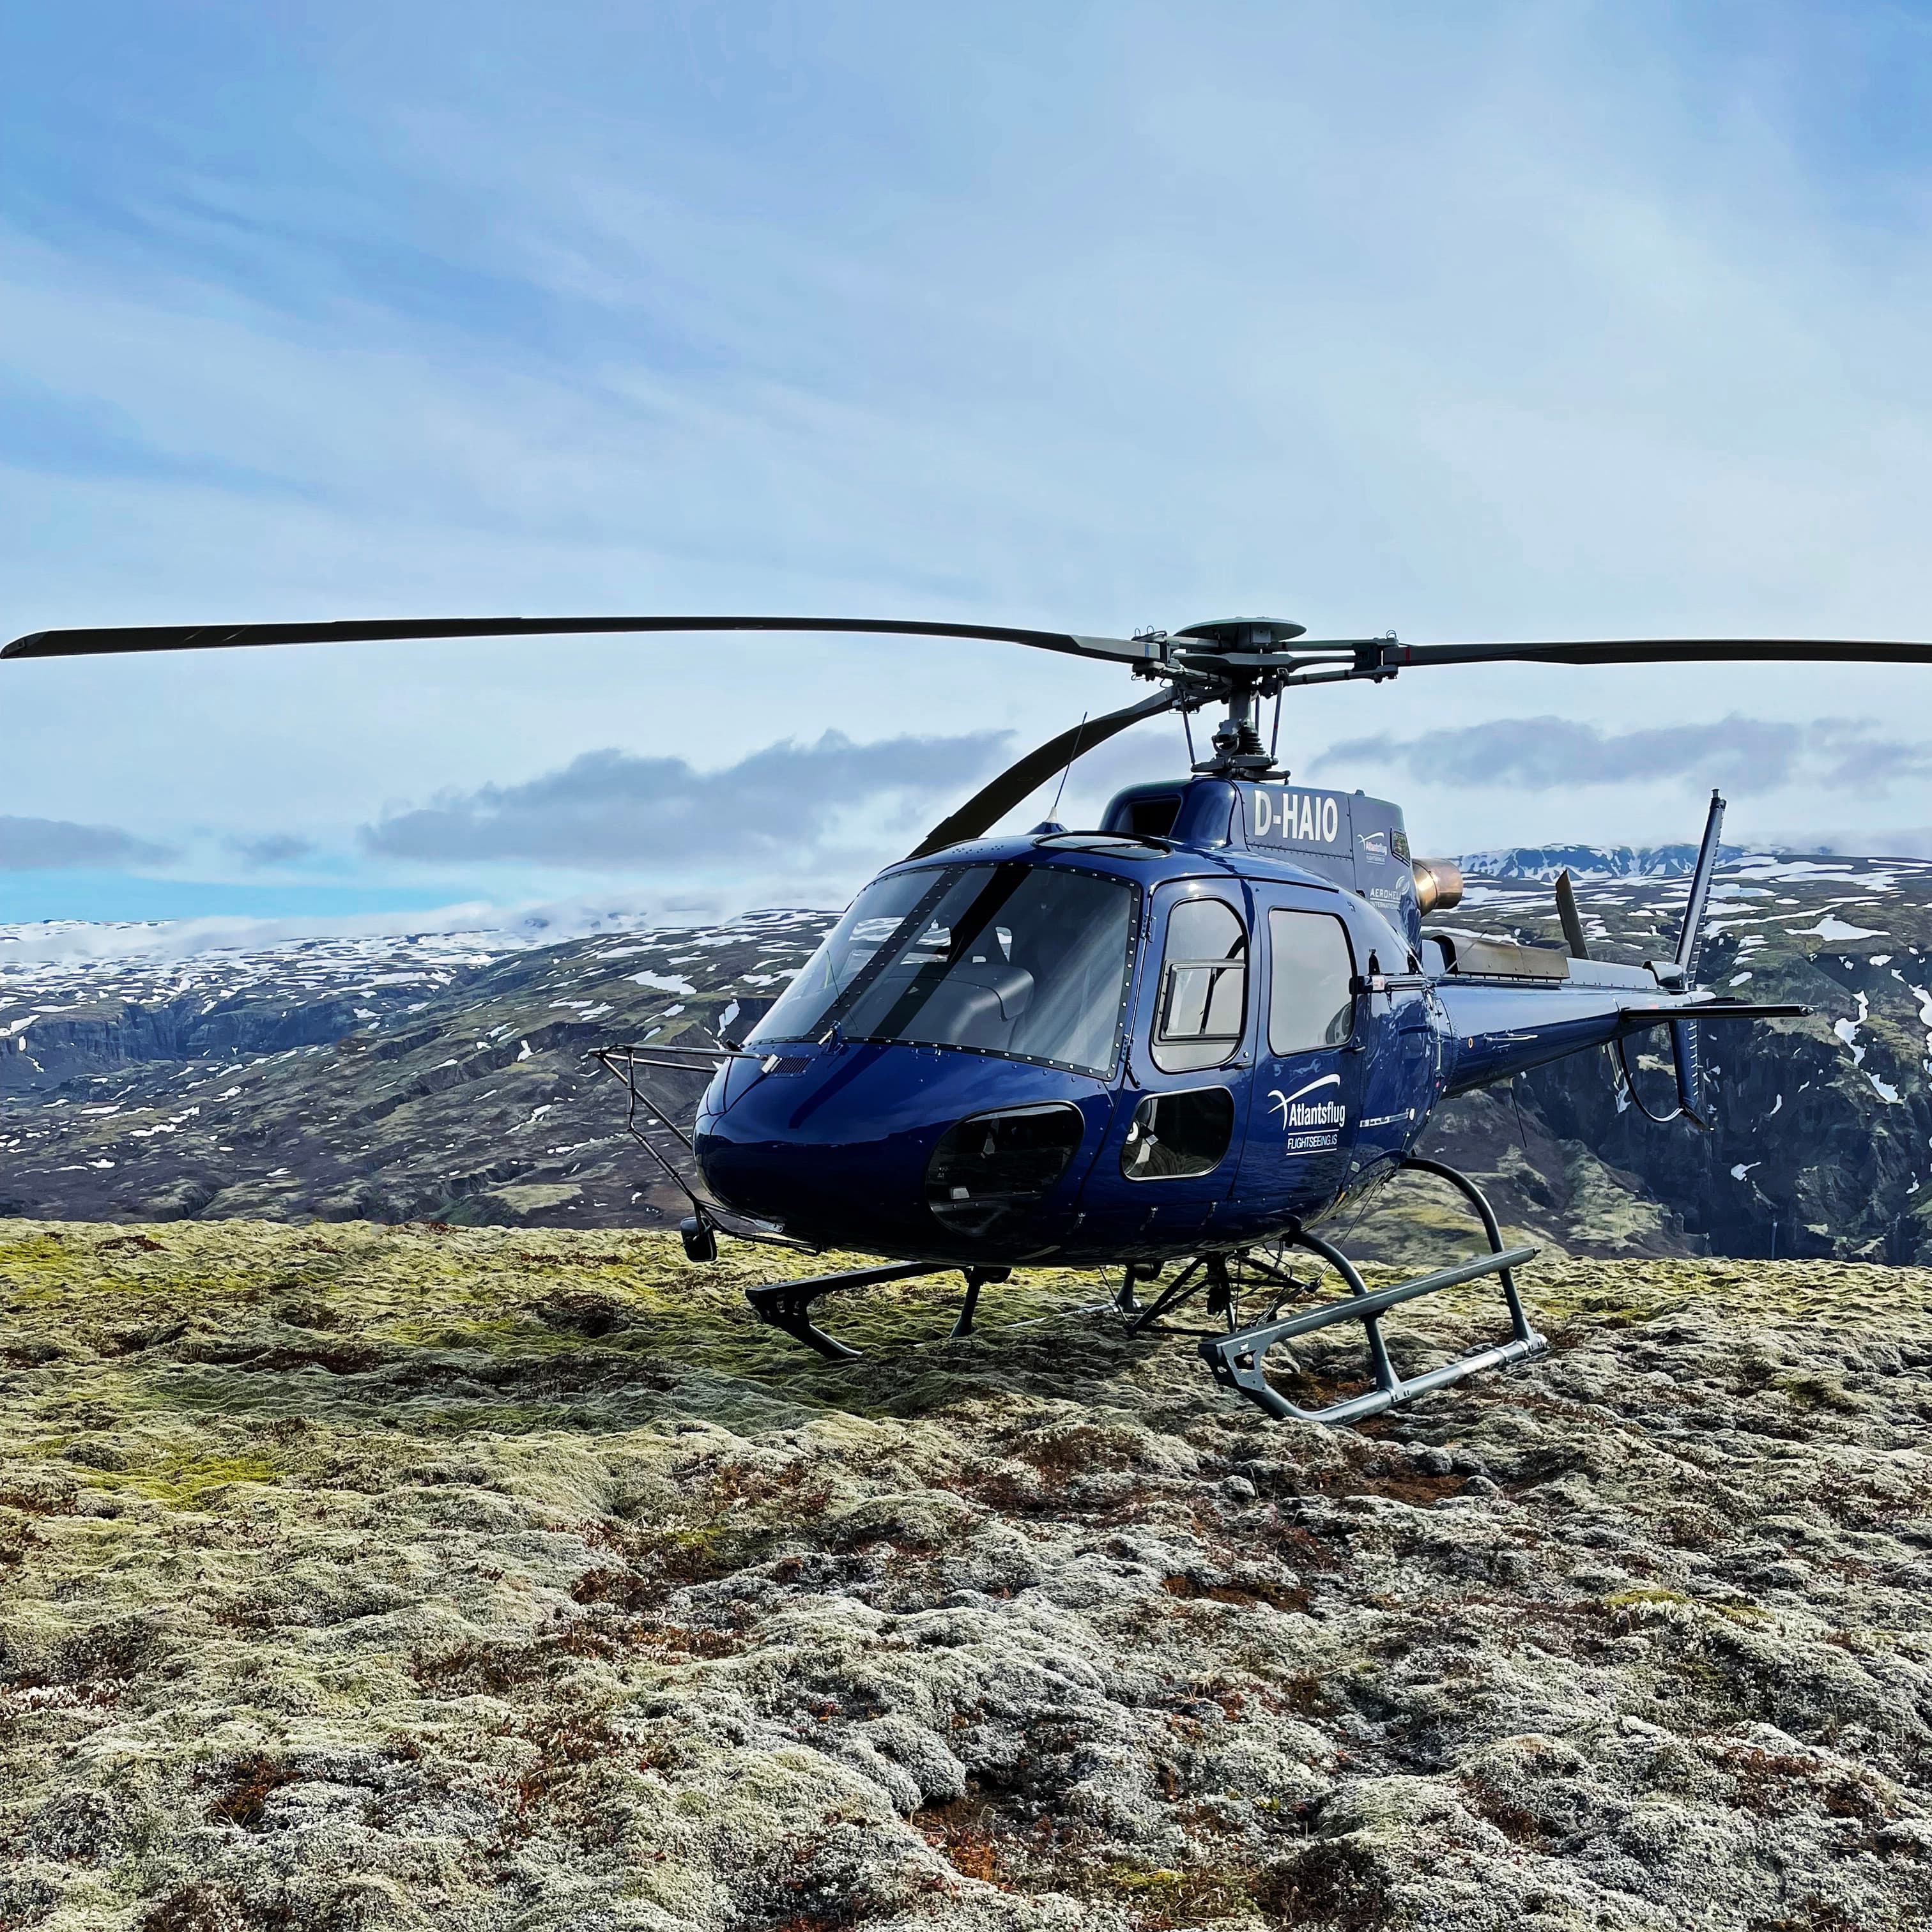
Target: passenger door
x,y
1307,1087
1174,1149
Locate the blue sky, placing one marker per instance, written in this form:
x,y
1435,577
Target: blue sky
x,y
1541,321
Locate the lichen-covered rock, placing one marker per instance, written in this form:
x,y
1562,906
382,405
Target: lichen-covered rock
x,y
367,1577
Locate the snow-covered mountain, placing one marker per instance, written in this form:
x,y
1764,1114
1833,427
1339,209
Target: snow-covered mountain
x,y
448,1075
1587,862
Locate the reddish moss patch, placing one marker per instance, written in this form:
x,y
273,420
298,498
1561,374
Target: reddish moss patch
x,y
1276,1596
243,1803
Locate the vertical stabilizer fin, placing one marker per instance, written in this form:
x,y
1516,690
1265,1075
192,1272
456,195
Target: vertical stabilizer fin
x,y
1691,936
1685,1047
1573,924
1687,1052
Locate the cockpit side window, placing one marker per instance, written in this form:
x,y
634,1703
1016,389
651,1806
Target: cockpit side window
x,y
1309,1002
1203,987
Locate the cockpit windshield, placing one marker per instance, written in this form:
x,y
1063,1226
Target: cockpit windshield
x,y
1021,959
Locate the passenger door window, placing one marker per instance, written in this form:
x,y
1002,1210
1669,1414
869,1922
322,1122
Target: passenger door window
x,y
1204,987
1310,1004
1173,1136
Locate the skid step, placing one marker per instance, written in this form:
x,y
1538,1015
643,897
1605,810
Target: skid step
x,y
1235,1361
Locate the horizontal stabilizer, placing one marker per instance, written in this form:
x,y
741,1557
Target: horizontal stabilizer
x,y
1712,1010
1681,1019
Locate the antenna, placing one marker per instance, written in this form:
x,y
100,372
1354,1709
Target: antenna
x,y
1053,810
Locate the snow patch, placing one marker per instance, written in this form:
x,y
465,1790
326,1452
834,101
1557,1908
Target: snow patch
x,y
1831,927
1847,1030
662,982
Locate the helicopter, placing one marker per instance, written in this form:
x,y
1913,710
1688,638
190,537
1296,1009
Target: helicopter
x,y
1182,1039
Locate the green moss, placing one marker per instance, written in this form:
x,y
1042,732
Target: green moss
x,y
1625,1600
500,1335
180,1480
1735,1613
497,1418
37,1251
1821,1391
1167,1896
470,1471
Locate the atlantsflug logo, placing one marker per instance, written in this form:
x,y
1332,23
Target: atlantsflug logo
x,y
1310,1125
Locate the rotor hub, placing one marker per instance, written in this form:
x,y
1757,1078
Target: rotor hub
x,y
1245,634
1235,661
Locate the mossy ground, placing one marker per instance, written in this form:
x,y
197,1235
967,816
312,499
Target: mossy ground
x,y
358,1576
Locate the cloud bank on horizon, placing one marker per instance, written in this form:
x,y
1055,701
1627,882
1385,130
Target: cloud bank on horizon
x,y
1744,755
611,810
1538,321
49,844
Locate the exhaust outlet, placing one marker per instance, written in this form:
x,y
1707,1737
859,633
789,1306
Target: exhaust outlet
x,y
1438,884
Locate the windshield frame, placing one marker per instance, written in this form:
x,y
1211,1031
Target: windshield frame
x,y
943,874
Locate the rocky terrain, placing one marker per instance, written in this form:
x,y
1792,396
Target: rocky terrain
x,y
448,1078
362,1576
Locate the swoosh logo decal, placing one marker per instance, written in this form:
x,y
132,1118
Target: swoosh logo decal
x,y
1314,1086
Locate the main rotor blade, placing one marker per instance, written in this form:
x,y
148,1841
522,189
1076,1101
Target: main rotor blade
x,y
144,638
1668,650
991,803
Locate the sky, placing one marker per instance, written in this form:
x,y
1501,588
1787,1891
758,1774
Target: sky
x,y
1538,321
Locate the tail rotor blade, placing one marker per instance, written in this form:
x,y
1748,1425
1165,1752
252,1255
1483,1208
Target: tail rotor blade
x,y
1573,924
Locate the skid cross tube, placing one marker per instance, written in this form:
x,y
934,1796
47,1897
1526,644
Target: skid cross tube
x,y
1519,1328
1236,1360
787,1304
1185,1286
1224,1275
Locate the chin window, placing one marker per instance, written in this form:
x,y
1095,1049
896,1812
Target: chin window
x,y
992,1169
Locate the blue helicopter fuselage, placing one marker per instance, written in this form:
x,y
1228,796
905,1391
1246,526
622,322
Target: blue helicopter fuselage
x,y
1211,1021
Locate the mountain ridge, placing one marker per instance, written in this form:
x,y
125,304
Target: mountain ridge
x,y
1674,861
437,1077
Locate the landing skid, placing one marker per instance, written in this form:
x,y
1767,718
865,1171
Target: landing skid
x,y
1235,1353
787,1305
1235,1359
